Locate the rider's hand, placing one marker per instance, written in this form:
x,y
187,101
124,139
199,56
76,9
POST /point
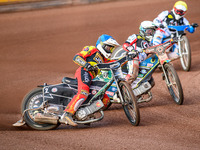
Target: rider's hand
x,y
195,25
132,54
89,67
161,26
174,40
130,48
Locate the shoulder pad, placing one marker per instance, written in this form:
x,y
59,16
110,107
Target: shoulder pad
x,y
164,14
88,48
139,37
131,38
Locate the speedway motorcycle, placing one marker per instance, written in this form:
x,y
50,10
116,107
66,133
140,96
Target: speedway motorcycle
x,y
183,45
144,82
51,100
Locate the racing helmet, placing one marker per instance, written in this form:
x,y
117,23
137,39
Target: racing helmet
x,y
147,30
106,44
179,9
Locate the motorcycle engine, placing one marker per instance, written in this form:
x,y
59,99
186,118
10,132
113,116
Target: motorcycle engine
x,y
83,112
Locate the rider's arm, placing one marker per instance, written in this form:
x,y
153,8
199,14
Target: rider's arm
x,y
128,45
190,29
80,58
160,19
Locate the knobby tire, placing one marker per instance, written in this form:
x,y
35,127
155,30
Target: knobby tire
x,y
130,104
174,87
186,53
28,118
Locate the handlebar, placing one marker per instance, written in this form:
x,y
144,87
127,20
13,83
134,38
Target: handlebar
x,y
179,28
112,65
118,63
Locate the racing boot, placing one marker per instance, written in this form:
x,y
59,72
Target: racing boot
x,y
67,119
174,55
116,99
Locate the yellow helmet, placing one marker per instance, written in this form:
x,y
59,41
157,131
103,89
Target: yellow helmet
x,y
179,9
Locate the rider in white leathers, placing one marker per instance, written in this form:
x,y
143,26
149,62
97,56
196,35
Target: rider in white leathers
x,y
175,17
139,42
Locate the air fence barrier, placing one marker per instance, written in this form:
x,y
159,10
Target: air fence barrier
x,y
24,5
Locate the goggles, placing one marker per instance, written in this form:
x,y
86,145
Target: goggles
x,y
149,32
179,11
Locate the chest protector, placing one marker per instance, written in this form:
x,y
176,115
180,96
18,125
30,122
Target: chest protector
x,y
170,20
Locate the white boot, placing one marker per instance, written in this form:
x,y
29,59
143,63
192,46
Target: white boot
x,y
173,56
116,99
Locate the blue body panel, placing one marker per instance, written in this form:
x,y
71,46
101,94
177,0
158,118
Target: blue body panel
x,y
179,28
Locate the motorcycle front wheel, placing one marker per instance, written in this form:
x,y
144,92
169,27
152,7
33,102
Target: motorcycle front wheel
x,y
32,101
130,104
186,53
173,84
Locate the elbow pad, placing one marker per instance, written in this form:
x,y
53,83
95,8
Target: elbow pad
x,y
125,45
79,60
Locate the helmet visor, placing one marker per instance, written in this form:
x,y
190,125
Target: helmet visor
x,y
108,48
179,11
149,32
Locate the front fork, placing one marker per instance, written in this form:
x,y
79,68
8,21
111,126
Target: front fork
x,y
179,46
165,75
119,92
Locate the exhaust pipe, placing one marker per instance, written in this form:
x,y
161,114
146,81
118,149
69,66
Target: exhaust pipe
x,y
40,118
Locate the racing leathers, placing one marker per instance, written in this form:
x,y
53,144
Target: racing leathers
x,y
135,43
89,56
164,19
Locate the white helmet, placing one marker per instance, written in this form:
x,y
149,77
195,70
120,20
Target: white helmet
x,y
179,9
147,30
106,44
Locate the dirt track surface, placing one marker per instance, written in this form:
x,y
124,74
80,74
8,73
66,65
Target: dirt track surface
x,y
38,47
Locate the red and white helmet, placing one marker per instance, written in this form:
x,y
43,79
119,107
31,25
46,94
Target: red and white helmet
x,y
179,9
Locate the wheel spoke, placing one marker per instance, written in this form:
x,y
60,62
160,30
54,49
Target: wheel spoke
x,y
130,104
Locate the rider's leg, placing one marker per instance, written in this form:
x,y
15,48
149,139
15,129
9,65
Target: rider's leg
x,y
174,53
159,35
133,69
84,80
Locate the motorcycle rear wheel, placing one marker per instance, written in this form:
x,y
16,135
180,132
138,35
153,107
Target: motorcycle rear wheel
x,y
174,86
185,50
33,100
130,104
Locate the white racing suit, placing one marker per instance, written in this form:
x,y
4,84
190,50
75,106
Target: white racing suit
x,y
166,18
135,42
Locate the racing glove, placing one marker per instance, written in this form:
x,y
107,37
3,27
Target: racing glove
x,y
89,67
130,48
161,26
127,47
174,40
132,54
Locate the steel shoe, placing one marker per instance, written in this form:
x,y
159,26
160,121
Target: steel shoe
x,y
67,119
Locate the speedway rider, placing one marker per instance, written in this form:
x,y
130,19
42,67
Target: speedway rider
x,y
175,17
86,59
139,42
